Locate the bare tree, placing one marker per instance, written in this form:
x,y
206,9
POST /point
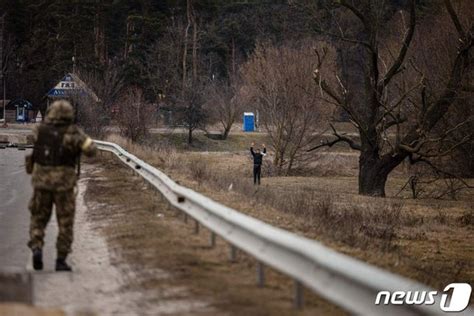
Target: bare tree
x,y
191,22
190,108
175,78
107,84
279,79
163,66
100,48
452,152
135,114
413,111
224,101
190,104
98,92
90,115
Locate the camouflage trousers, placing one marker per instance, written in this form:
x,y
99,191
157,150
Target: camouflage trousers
x,y
41,207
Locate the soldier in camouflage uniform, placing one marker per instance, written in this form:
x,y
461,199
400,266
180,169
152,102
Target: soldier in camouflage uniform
x,y
58,143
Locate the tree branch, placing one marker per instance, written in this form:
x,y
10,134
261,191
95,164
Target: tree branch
x,y
433,113
396,121
465,140
455,19
355,11
438,170
394,69
349,40
326,88
339,138
417,148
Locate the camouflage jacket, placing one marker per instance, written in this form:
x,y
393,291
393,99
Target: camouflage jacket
x,y
62,178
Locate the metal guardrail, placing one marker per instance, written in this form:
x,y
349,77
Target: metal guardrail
x,y
345,281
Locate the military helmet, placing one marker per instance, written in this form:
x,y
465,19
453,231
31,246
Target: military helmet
x,y
60,111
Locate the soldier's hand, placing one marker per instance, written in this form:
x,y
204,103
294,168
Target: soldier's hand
x,y
263,145
253,144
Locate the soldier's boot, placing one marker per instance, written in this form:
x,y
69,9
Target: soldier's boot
x,y
61,265
37,259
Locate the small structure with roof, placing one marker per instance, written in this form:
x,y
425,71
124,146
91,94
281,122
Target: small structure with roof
x,y
72,88
19,110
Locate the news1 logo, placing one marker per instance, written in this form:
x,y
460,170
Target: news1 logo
x,y
456,302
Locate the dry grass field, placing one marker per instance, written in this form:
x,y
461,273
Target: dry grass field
x,y
430,240
175,270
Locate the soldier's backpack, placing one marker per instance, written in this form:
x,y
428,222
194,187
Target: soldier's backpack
x,y
49,148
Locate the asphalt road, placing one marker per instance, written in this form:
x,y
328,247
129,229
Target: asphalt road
x,y
80,290
95,285
15,193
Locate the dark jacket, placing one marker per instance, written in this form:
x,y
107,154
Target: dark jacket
x,y
257,158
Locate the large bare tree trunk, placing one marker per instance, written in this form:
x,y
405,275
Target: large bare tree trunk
x,y
372,174
374,118
374,168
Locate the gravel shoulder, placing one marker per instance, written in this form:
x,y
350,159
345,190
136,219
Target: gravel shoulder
x,y
103,283
175,270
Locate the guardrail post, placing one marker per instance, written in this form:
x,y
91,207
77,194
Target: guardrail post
x,y
169,206
159,196
130,171
260,274
232,253
196,227
212,240
156,200
298,295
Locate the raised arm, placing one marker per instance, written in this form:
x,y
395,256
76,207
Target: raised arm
x,y
251,149
264,149
83,142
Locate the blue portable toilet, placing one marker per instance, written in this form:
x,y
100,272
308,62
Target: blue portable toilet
x,y
249,122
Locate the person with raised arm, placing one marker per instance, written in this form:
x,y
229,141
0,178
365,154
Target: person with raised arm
x,y
257,162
